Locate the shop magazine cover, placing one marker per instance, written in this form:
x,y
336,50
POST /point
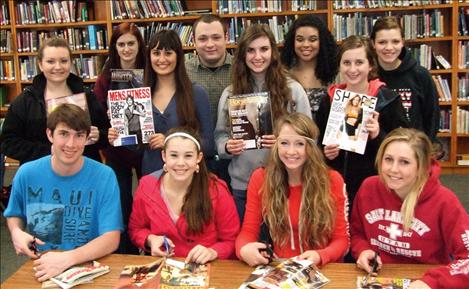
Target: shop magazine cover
x,y
126,78
80,274
382,283
140,276
250,118
131,115
288,274
345,125
178,275
77,99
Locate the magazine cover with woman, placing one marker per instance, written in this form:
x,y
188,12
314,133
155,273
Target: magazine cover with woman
x,y
345,123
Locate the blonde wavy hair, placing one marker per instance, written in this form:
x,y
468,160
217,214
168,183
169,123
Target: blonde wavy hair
x,y
317,212
422,147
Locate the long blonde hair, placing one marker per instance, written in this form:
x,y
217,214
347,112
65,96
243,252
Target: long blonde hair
x,y
316,220
422,147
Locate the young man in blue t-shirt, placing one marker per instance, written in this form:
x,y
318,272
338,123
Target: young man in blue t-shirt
x,y
64,201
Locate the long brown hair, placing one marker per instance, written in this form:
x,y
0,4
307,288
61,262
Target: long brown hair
x,y
114,61
185,108
197,205
422,147
317,215
275,78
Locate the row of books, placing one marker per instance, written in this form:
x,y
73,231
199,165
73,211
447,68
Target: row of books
x,y
278,24
445,120
463,54
128,9
463,22
428,58
7,69
414,25
184,31
463,88
55,11
89,38
4,15
462,122
85,67
350,4
259,6
442,88
5,41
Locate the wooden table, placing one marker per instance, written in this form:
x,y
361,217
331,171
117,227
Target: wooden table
x,y
224,274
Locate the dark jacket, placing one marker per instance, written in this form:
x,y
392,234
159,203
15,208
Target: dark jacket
x,y
24,136
418,93
355,167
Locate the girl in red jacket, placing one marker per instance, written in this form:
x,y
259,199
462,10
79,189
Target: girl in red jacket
x,y
407,216
183,209
301,202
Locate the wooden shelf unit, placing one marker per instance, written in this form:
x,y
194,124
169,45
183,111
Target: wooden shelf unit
x,y
447,45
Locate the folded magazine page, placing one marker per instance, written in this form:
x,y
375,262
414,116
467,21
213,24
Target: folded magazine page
x,y
178,275
140,276
382,283
345,125
131,115
289,274
78,99
76,275
126,78
250,117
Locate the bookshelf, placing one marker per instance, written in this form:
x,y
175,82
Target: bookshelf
x,y
103,15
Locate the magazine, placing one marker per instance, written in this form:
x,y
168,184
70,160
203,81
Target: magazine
x,y
126,78
177,274
383,283
345,123
131,115
250,118
291,273
77,99
140,276
76,275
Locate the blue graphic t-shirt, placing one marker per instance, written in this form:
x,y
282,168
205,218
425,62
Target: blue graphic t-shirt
x,y
65,211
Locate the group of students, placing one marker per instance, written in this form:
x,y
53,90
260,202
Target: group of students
x,y
293,194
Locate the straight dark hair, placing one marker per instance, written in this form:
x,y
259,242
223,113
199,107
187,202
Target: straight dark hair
x,y
197,204
169,40
70,114
114,61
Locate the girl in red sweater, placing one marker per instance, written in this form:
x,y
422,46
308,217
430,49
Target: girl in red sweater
x,y
301,202
407,216
183,209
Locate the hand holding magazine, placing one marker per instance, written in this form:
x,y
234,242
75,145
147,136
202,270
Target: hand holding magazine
x,y
345,125
131,115
250,118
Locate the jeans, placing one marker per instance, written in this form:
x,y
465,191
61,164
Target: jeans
x,y
124,179
240,201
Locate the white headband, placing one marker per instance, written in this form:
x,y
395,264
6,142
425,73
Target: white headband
x,y
305,137
182,134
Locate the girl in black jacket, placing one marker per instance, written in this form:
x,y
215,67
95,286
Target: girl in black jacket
x,y
357,67
23,135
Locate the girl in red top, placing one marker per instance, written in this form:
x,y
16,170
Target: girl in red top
x,y
183,209
301,202
407,216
